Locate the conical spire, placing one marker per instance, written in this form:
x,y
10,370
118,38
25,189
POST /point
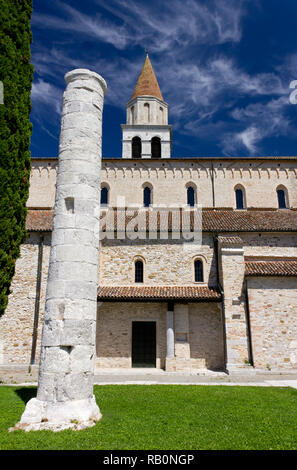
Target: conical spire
x,y
147,83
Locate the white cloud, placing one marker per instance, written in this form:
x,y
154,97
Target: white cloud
x,y
46,94
94,26
260,120
170,25
169,29
249,138
196,88
158,26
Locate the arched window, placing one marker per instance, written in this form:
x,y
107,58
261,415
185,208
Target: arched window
x,y
136,147
191,196
138,271
104,196
198,267
147,112
147,196
281,196
239,197
156,147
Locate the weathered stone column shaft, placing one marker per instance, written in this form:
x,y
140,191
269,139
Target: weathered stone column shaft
x,y
65,388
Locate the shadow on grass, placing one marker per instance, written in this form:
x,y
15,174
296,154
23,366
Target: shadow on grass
x,y
26,393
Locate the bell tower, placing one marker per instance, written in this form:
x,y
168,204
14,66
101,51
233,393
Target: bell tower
x,y
146,133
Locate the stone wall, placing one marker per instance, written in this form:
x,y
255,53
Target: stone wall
x,y
147,110
269,244
43,183
169,179
16,325
232,272
114,331
165,262
202,346
206,335
273,318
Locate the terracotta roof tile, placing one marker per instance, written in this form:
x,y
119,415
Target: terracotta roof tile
x,y
222,220
39,220
218,220
271,268
147,83
249,220
193,293
230,241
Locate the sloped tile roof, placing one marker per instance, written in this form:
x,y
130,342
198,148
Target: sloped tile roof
x,y
224,220
147,83
271,268
39,220
226,240
250,220
217,220
193,293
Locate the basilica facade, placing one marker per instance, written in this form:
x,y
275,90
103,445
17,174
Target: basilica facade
x,y
225,299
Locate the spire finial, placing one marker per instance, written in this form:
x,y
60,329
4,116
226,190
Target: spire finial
x,y
146,51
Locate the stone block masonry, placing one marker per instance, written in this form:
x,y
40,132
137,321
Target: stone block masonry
x,y
273,311
196,330
232,270
65,387
16,326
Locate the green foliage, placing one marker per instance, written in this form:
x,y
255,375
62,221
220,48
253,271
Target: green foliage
x,y
16,73
136,417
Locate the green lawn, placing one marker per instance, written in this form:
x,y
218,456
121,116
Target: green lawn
x,y
170,417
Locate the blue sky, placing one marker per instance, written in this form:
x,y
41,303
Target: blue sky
x,y
223,66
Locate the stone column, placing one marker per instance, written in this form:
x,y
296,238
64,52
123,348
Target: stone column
x,y
170,361
178,357
146,148
65,387
170,335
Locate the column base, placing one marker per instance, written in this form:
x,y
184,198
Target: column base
x,y
76,414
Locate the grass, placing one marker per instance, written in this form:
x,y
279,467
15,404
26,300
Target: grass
x,y
169,417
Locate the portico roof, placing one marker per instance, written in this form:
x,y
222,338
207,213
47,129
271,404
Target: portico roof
x,y
191,293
